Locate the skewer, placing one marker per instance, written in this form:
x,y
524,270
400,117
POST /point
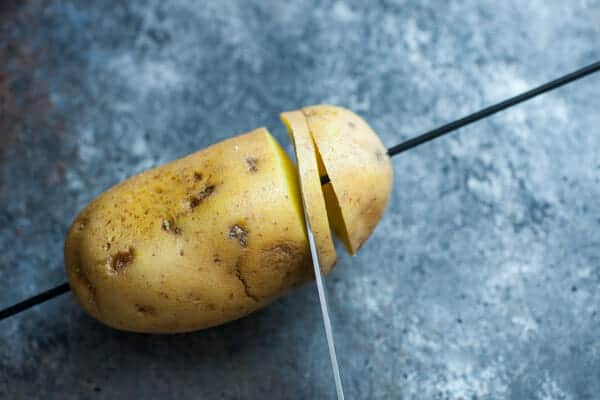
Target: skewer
x,y
392,151
493,109
486,112
34,300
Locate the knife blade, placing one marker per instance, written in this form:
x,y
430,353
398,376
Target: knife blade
x,y
321,289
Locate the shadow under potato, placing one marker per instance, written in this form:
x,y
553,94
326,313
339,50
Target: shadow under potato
x,y
69,352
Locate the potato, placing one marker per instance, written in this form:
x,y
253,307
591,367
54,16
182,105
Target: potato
x,y
220,233
310,186
194,243
359,170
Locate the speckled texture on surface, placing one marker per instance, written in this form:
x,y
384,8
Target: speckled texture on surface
x,y
481,282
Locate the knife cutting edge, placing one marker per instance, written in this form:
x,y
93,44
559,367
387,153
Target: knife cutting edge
x,y
321,289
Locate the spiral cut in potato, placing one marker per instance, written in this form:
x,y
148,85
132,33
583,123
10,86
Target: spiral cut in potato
x,y
220,233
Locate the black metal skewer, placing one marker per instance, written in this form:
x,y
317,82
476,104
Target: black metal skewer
x,y
392,151
486,112
32,301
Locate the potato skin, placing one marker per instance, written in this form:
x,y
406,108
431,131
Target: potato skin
x,y
194,243
359,170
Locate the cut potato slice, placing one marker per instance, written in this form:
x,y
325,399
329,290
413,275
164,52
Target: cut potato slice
x,y
359,170
310,187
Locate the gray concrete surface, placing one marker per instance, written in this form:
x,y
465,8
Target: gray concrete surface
x,y
481,282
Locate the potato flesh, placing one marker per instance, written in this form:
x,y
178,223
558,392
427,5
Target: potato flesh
x,y
359,170
333,209
310,187
194,243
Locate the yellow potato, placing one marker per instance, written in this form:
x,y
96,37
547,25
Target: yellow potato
x,y
310,186
358,167
220,233
194,243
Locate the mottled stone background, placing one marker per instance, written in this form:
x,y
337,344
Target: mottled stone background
x,y
481,282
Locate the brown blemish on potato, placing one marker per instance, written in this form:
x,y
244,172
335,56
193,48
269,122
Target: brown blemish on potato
x,y
194,202
238,274
163,295
379,155
145,309
201,196
285,248
117,262
351,124
284,256
282,253
240,234
211,307
106,246
81,224
369,208
197,176
181,252
84,282
168,225
193,298
216,259
252,164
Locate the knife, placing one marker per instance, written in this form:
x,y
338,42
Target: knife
x,y
321,289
